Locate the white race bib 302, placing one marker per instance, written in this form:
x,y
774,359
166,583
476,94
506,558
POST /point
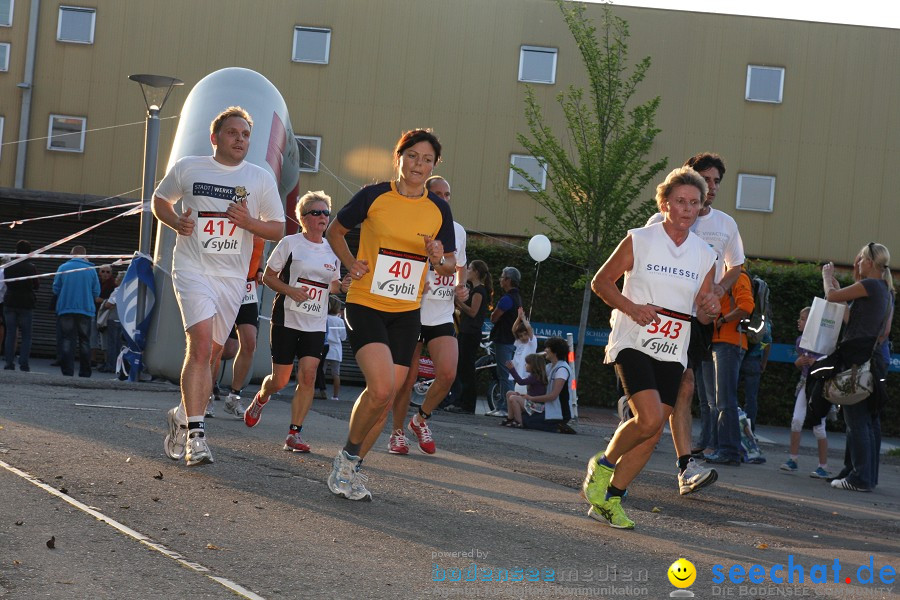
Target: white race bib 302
x,y
440,287
217,234
317,301
667,340
398,274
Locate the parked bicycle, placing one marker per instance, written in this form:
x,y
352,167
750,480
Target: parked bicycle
x,y
488,363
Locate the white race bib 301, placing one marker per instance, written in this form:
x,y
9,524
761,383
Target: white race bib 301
x,y
667,340
217,234
398,274
317,301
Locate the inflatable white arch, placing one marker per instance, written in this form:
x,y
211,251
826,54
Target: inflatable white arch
x,y
272,147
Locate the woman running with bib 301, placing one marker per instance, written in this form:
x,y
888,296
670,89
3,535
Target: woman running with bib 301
x,y
669,275
302,271
402,229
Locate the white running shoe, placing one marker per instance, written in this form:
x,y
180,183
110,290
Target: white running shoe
x,y
233,406
343,469
197,451
177,436
695,477
358,489
210,409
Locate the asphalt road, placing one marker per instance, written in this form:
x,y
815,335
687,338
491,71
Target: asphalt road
x,y
81,462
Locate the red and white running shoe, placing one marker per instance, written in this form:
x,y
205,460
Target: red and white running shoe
x,y
423,433
398,444
254,411
294,443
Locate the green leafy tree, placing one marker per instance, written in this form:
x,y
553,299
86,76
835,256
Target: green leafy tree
x,y
598,170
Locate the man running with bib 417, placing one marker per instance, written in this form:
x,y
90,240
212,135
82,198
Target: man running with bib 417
x,y
224,202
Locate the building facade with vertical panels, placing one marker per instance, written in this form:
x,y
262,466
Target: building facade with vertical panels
x,y
801,111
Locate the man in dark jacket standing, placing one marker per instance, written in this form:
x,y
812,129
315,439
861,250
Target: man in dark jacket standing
x,y
18,308
77,289
504,315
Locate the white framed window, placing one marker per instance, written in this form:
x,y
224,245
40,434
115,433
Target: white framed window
x,y
764,84
537,64
6,12
309,146
66,134
76,25
755,192
2,122
536,169
311,45
4,57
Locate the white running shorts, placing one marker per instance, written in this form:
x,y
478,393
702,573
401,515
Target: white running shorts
x,y
201,297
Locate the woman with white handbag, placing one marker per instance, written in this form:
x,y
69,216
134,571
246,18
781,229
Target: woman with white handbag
x,y
869,316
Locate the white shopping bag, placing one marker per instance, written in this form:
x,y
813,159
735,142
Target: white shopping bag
x,y
822,327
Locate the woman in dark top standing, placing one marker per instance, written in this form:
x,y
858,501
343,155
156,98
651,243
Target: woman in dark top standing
x,y
472,314
869,315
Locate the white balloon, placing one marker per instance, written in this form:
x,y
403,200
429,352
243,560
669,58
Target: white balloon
x,y
539,247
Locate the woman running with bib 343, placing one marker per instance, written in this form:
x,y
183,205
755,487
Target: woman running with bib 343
x,y
668,277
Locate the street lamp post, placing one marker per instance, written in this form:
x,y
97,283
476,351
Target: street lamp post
x,y
156,90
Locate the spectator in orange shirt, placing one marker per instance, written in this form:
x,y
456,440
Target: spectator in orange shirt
x,y
729,346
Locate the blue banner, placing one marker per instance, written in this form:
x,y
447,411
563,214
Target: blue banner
x,y
139,273
599,337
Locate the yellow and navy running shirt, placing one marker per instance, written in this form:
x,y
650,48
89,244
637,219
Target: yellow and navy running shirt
x,y
392,240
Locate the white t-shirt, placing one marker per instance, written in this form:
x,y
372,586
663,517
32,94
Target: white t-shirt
x,y
561,370
667,276
301,263
720,231
216,247
521,350
437,301
337,333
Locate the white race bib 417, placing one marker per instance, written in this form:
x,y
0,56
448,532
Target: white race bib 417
x,y
217,234
398,274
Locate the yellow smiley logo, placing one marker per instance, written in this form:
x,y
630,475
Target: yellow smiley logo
x,y
682,573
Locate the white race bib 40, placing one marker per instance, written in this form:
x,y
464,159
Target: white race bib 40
x,y
398,274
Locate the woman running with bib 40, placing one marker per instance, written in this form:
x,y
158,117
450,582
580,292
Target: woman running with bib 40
x,y
669,275
302,271
402,229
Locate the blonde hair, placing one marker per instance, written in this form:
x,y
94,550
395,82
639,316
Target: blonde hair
x,y
307,199
231,111
881,258
680,176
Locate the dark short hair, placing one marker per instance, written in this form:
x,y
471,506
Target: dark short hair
x,y
705,160
23,247
557,346
413,137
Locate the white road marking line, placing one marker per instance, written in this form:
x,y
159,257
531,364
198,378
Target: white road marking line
x,y
115,407
236,588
